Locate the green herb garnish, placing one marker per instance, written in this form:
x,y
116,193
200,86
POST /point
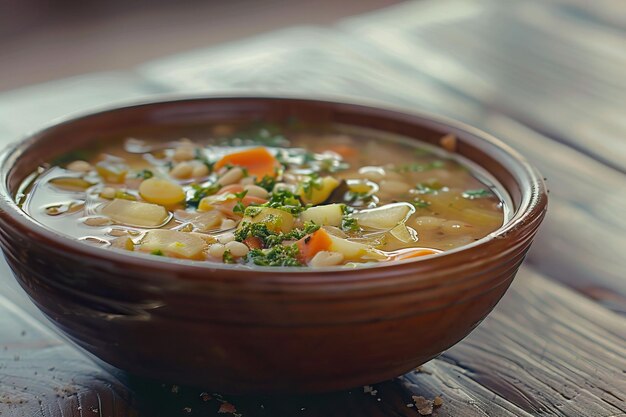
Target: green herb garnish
x,y
419,203
312,182
200,192
157,252
278,255
227,257
267,182
145,174
350,224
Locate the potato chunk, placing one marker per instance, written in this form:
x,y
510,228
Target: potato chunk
x,y
327,215
317,195
160,191
173,243
276,220
384,217
134,213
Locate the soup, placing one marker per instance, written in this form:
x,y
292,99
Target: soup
x,y
261,197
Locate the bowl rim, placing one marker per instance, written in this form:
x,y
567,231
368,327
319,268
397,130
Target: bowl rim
x,y
532,205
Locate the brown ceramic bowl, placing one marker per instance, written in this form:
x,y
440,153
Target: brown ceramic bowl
x,y
263,330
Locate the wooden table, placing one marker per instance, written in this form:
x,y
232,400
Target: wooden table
x,y
546,76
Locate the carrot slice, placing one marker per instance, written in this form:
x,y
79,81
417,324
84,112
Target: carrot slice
x,y
413,253
312,244
258,161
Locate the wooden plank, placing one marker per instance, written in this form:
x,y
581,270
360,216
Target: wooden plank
x,y
544,350
519,58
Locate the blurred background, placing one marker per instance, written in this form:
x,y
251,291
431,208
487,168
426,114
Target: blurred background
x,y
42,40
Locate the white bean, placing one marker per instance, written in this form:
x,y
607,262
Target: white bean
x,y
79,166
326,258
217,250
226,237
184,153
256,191
200,171
108,192
231,177
228,224
182,170
247,181
237,249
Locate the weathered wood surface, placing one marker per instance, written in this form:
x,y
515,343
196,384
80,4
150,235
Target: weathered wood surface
x,y
546,76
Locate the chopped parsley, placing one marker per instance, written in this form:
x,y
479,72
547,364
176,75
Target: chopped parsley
x,y
267,182
278,255
227,257
478,193
287,201
430,188
145,174
157,252
270,238
349,224
239,208
312,182
419,203
200,192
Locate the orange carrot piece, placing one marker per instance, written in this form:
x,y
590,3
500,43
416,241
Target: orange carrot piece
x,y
258,161
253,242
312,244
414,253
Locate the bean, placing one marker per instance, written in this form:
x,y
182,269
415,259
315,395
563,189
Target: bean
x,y
231,177
108,192
200,171
79,166
184,153
247,181
237,249
182,170
217,250
256,191
228,224
326,258
226,237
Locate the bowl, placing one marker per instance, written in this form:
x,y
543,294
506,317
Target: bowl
x,y
263,330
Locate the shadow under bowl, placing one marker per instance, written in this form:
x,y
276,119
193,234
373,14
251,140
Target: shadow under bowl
x,y
263,330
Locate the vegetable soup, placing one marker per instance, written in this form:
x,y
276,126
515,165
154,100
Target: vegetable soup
x,y
268,197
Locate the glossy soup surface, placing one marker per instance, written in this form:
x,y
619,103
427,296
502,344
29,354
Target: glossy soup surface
x,y
263,196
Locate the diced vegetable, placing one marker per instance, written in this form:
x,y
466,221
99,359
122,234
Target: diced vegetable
x,y
71,183
276,220
134,213
259,162
173,243
403,233
112,169
413,253
327,215
384,217
321,240
160,191
319,192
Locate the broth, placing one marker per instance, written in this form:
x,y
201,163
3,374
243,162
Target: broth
x,y
266,197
